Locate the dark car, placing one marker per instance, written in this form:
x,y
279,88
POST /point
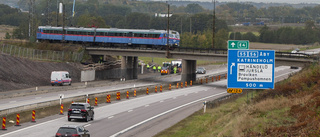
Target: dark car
x,y
72,131
201,70
80,111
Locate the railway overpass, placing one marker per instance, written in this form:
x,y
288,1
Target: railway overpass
x,y
189,56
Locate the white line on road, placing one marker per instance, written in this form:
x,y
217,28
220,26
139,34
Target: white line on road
x,y
174,97
12,101
38,97
130,110
110,117
146,106
86,125
79,91
98,89
161,101
29,127
185,94
149,119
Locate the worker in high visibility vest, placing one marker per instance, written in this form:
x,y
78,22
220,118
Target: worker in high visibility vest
x,y
159,68
154,69
175,70
148,66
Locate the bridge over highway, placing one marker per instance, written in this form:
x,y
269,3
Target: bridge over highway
x,y
189,57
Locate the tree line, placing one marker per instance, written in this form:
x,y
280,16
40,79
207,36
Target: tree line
x,y
285,35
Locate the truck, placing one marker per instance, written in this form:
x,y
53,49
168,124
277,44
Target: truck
x,y
60,78
168,67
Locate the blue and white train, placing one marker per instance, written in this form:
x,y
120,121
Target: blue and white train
x,y
109,36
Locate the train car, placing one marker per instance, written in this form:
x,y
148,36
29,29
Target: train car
x,y
109,36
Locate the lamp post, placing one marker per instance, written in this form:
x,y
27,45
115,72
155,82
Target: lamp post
x,y
214,22
167,53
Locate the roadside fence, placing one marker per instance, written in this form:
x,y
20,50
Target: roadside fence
x,y
42,55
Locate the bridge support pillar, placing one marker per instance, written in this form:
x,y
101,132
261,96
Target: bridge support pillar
x,y
188,70
135,68
129,67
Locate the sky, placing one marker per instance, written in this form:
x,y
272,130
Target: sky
x,y
266,1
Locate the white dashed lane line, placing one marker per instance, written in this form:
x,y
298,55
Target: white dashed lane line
x,y
146,106
110,117
87,125
130,110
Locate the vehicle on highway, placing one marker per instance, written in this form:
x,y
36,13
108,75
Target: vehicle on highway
x,y
109,36
201,70
80,111
60,78
165,70
72,131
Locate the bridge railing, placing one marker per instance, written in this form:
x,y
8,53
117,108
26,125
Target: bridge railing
x,y
214,51
296,55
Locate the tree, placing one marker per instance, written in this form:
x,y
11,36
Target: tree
x,y
194,8
8,36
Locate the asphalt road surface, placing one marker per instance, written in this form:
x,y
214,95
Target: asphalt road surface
x,y
142,116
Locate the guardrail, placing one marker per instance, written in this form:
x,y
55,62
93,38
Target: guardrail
x,y
210,50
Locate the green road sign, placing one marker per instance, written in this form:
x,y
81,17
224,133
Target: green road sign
x,y
238,44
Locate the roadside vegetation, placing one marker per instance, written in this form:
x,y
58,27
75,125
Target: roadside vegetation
x,y
291,109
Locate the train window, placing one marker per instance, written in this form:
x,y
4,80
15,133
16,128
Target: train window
x,y
150,35
124,34
110,34
156,35
105,33
145,35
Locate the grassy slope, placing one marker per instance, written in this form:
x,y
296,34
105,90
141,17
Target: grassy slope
x,y
292,109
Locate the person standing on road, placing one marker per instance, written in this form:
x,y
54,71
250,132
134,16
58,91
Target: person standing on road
x,y
154,69
159,68
175,70
148,66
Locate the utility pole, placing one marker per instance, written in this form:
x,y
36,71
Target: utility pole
x,y
167,54
57,12
214,23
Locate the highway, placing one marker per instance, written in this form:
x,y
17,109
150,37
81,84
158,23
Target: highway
x,y
142,116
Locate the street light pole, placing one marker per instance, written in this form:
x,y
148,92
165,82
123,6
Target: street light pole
x,y
214,23
167,53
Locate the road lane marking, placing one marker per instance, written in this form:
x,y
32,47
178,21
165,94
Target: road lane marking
x,y
185,94
130,110
110,117
174,97
161,101
196,92
86,125
98,89
29,127
156,116
12,101
80,91
146,106
38,97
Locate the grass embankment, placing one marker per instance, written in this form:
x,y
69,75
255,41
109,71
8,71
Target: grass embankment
x,y
291,109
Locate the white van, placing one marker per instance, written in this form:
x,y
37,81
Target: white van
x,y
60,78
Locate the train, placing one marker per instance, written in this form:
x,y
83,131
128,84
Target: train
x,y
108,36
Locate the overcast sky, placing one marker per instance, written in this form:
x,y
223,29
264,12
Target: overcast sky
x,y
266,1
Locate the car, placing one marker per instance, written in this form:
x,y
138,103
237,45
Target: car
x,y
201,70
72,131
80,111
